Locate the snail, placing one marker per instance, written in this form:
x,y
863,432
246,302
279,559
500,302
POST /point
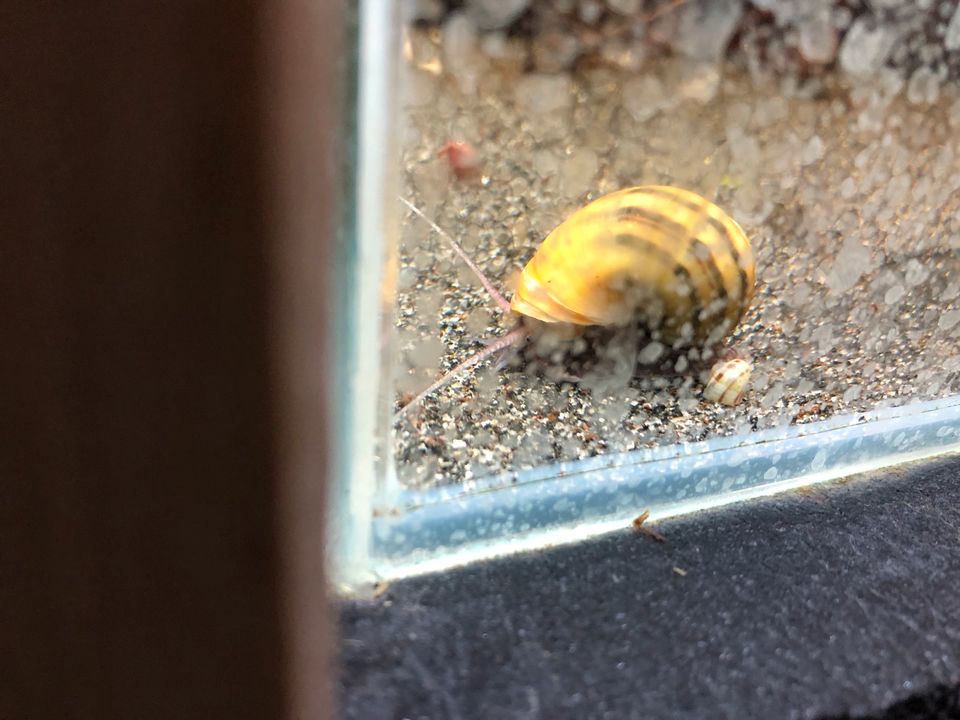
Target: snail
x,y
728,381
659,256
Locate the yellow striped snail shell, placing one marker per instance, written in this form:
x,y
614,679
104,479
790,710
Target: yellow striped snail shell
x,y
728,381
664,254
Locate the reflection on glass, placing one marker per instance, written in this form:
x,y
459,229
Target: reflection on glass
x,y
829,136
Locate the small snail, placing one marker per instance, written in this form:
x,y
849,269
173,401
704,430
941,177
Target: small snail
x,y
659,256
728,381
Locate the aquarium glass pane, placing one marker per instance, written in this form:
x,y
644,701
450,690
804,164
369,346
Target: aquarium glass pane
x,y
778,303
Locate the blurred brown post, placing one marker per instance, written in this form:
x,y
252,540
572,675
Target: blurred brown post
x,y
169,199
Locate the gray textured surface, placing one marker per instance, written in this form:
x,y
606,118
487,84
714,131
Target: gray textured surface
x,y
840,599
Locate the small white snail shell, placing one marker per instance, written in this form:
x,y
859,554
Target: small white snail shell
x,y
728,381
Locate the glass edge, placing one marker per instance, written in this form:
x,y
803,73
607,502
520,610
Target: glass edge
x,y
438,530
357,371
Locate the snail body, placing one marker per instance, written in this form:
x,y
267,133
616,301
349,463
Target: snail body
x,y
656,256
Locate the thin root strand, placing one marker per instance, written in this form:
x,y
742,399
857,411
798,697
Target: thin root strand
x,y
513,337
494,293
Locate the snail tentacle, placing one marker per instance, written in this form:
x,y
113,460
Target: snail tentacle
x,y
513,337
494,293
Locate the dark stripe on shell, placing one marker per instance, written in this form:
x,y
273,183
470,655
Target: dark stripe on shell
x,y
716,224
702,253
647,247
681,272
657,221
